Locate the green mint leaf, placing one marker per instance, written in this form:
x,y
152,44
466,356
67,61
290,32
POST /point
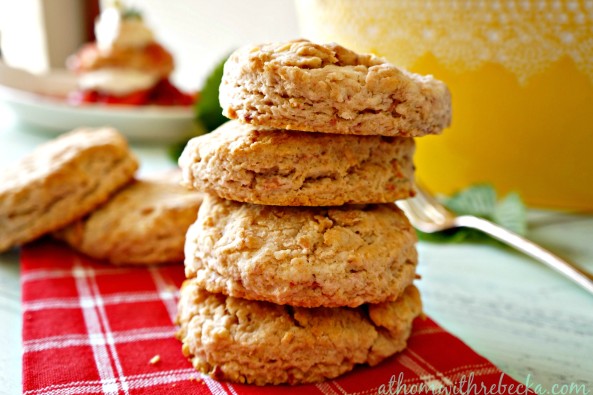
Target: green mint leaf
x,y
481,200
478,200
175,150
510,213
132,13
449,236
207,109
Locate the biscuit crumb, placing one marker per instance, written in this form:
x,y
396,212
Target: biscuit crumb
x,y
156,359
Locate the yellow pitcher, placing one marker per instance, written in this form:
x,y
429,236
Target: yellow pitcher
x,y
521,77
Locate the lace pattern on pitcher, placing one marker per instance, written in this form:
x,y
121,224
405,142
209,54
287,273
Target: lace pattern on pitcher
x,y
525,36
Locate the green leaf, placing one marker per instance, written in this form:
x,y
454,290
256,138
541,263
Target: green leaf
x,y
132,13
175,150
448,236
208,110
510,213
478,200
481,200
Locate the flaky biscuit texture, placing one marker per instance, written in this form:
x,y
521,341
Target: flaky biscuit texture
x,y
60,182
263,343
144,223
336,256
287,168
300,85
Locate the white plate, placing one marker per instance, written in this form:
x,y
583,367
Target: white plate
x,y
40,101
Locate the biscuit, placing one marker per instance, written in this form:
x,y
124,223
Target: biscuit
x,y
61,181
144,223
153,58
263,343
299,85
286,168
301,256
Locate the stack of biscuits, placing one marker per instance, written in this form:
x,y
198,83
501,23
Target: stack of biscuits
x,y
299,265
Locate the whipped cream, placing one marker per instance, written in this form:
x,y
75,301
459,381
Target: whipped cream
x,y
112,30
117,82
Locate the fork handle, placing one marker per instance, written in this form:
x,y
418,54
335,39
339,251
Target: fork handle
x,y
535,251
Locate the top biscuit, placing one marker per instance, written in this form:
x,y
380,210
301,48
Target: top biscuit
x,y
299,85
61,181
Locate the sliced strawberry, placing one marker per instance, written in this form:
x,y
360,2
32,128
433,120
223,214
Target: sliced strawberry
x,y
167,94
138,98
162,94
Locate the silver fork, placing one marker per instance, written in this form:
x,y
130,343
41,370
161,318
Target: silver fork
x,y
427,214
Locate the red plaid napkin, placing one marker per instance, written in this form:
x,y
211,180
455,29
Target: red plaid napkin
x,y
89,328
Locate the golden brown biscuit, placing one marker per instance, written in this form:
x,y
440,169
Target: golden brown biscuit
x,y
286,168
144,223
299,85
61,181
302,256
264,343
152,58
